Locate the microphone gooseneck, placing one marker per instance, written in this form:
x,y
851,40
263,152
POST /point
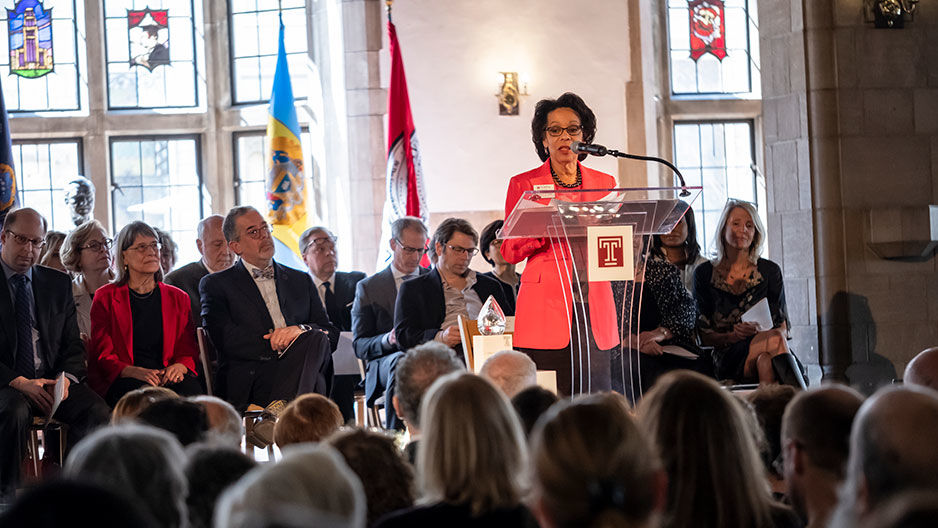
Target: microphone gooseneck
x,y
599,150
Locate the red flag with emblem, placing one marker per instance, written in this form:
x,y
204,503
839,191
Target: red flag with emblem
x,y
707,28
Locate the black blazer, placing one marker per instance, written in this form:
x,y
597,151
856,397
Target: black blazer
x,y
237,318
59,343
344,290
187,279
373,314
421,307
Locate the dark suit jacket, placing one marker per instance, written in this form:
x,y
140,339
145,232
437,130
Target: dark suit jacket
x,y
373,314
344,288
421,307
187,279
59,343
112,343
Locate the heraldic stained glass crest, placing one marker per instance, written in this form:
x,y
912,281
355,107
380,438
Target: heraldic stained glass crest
x,y
707,28
148,31
30,31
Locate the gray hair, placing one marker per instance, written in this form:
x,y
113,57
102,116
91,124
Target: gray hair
x,y
125,239
143,461
407,222
71,247
310,486
307,236
200,230
510,370
417,370
228,227
230,430
758,239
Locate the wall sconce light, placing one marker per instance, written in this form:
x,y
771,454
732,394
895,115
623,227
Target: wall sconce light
x,y
889,14
510,89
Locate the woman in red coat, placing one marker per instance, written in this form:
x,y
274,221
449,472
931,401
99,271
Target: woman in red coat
x,y
141,333
543,312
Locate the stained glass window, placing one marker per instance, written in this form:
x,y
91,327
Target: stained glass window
x,y
719,157
150,48
39,55
42,169
158,180
695,23
251,171
253,27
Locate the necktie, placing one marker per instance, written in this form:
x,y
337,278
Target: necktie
x,y
331,309
23,306
266,273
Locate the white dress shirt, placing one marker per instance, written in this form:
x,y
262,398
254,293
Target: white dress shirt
x,y
268,290
321,287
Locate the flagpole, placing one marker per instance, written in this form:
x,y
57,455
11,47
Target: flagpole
x,y
387,4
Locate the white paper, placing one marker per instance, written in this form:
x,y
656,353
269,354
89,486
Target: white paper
x,y
58,393
343,358
759,314
678,351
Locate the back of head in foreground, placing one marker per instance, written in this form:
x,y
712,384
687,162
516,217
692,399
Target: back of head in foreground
x,y
310,486
211,468
472,450
715,476
511,371
416,371
58,503
308,418
593,467
923,369
141,461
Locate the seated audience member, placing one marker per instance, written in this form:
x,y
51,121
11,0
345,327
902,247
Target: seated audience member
x,y
923,369
134,402
51,256
310,486
168,250
373,312
910,509
86,253
416,371
216,256
530,404
185,419
224,421
141,333
471,461
427,306
387,478
680,248
272,335
892,450
593,467
58,503
769,402
39,341
728,287
815,443
510,371
309,418
210,470
502,270
705,441
143,462
337,293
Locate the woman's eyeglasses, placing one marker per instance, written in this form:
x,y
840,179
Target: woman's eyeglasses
x,y
556,131
144,248
96,245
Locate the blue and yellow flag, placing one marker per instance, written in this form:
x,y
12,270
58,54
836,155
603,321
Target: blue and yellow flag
x,y
286,183
7,174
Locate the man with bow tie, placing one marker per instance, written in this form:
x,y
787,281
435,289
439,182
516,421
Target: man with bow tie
x,y
273,337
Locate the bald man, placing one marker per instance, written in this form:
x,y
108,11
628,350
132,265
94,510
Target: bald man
x,y
815,445
923,369
216,256
892,450
510,371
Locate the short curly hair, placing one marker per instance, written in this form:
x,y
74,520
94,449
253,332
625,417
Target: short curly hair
x,y
545,106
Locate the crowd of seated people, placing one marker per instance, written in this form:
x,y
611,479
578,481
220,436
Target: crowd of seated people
x,y
493,449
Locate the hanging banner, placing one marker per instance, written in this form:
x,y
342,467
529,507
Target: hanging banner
x,y
707,28
30,37
148,32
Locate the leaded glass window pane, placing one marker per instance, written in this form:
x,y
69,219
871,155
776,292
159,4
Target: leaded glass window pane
x,y
42,170
253,30
48,41
150,53
157,180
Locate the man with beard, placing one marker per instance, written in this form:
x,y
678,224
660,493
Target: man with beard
x,y
272,335
428,306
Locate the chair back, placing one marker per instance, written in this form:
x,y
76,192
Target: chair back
x,y
207,355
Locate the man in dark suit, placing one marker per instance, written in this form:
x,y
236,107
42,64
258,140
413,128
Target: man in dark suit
x,y
336,292
272,335
427,306
216,256
38,341
373,313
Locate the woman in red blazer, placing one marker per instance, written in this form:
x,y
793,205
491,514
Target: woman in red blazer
x,y
141,333
543,311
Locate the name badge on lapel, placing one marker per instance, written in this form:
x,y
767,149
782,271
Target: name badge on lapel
x,y
544,187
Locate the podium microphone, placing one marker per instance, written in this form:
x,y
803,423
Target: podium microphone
x,y
599,150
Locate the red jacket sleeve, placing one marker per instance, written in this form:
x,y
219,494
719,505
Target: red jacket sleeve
x,y
517,249
185,349
104,364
